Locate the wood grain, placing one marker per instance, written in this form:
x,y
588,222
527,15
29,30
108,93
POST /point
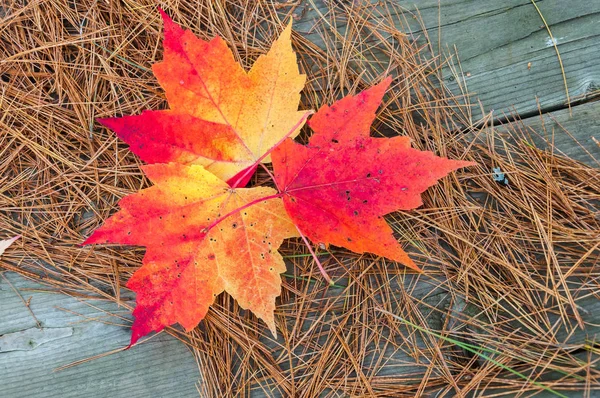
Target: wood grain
x,y
73,330
508,59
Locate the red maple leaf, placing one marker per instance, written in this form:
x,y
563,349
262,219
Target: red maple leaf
x,y
337,188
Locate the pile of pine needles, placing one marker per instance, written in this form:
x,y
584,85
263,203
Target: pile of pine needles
x,y
509,267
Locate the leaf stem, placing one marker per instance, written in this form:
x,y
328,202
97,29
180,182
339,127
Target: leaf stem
x,y
327,278
251,168
255,201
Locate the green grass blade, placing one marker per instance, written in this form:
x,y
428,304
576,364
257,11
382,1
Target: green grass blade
x,y
474,350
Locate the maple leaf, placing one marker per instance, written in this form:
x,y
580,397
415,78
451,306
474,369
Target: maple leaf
x,y
220,116
338,188
202,238
4,244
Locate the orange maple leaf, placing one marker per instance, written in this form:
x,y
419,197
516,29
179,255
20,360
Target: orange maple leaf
x,y
202,238
337,188
220,116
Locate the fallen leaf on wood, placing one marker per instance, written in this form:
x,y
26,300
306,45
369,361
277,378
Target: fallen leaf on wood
x,y
202,238
203,233
337,188
220,116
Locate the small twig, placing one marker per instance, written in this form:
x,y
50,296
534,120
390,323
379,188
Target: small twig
x,y
25,302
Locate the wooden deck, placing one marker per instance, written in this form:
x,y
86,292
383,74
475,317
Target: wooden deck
x,y
508,61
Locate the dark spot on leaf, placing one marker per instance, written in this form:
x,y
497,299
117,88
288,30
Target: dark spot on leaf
x,y
234,225
334,141
368,175
211,256
356,212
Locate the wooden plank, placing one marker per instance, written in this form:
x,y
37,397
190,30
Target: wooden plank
x,y
572,132
507,56
29,355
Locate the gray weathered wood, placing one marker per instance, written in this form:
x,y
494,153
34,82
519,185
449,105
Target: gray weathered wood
x,y
162,367
507,56
572,132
